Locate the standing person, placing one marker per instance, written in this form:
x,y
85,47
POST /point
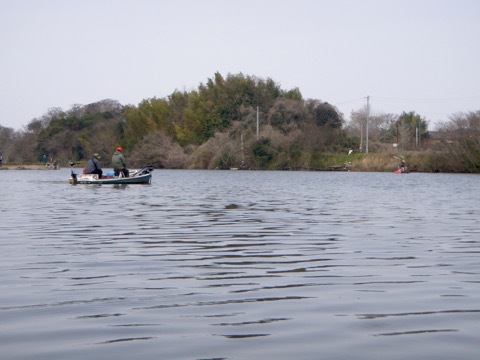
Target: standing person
x,y
119,163
93,166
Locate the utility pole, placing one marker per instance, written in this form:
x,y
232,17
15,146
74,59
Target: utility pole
x,y
366,130
242,165
361,137
257,123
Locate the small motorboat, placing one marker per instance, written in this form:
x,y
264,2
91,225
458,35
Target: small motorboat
x,y
143,176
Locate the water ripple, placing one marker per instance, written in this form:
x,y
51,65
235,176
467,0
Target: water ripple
x,y
288,264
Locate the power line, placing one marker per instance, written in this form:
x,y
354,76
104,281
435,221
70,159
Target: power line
x,y
429,100
380,99
350,101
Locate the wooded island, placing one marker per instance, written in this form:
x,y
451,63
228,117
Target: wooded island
x,y
243,122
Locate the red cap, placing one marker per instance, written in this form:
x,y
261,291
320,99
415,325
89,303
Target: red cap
x,y
119,149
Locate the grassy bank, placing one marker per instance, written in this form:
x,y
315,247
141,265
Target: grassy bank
x,y
430,162
426,161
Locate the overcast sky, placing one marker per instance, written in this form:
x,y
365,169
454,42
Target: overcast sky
x,y
407,55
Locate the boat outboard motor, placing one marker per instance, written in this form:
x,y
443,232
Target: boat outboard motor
x,y
74,179
146,170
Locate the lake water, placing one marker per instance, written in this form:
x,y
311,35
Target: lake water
x,y
237,265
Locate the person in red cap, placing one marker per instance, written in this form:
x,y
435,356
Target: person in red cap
x,y
119,163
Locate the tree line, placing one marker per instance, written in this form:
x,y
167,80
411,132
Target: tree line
x,y
237,121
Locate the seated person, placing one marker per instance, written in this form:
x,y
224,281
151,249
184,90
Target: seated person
x,y
93,166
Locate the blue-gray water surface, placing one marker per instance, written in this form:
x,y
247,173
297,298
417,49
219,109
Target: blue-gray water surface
x,y
236,265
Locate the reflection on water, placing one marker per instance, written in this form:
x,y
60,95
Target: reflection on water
x,y
240,265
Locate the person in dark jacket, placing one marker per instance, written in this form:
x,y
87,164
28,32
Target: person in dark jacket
x,y
119,163
94,166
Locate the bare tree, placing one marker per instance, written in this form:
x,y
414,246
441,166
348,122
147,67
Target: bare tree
x,y
159,150
461,138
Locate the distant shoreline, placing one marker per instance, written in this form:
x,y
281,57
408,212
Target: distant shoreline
x,y
27,167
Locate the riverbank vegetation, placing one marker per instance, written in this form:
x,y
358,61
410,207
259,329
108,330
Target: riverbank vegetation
x,y
244,122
